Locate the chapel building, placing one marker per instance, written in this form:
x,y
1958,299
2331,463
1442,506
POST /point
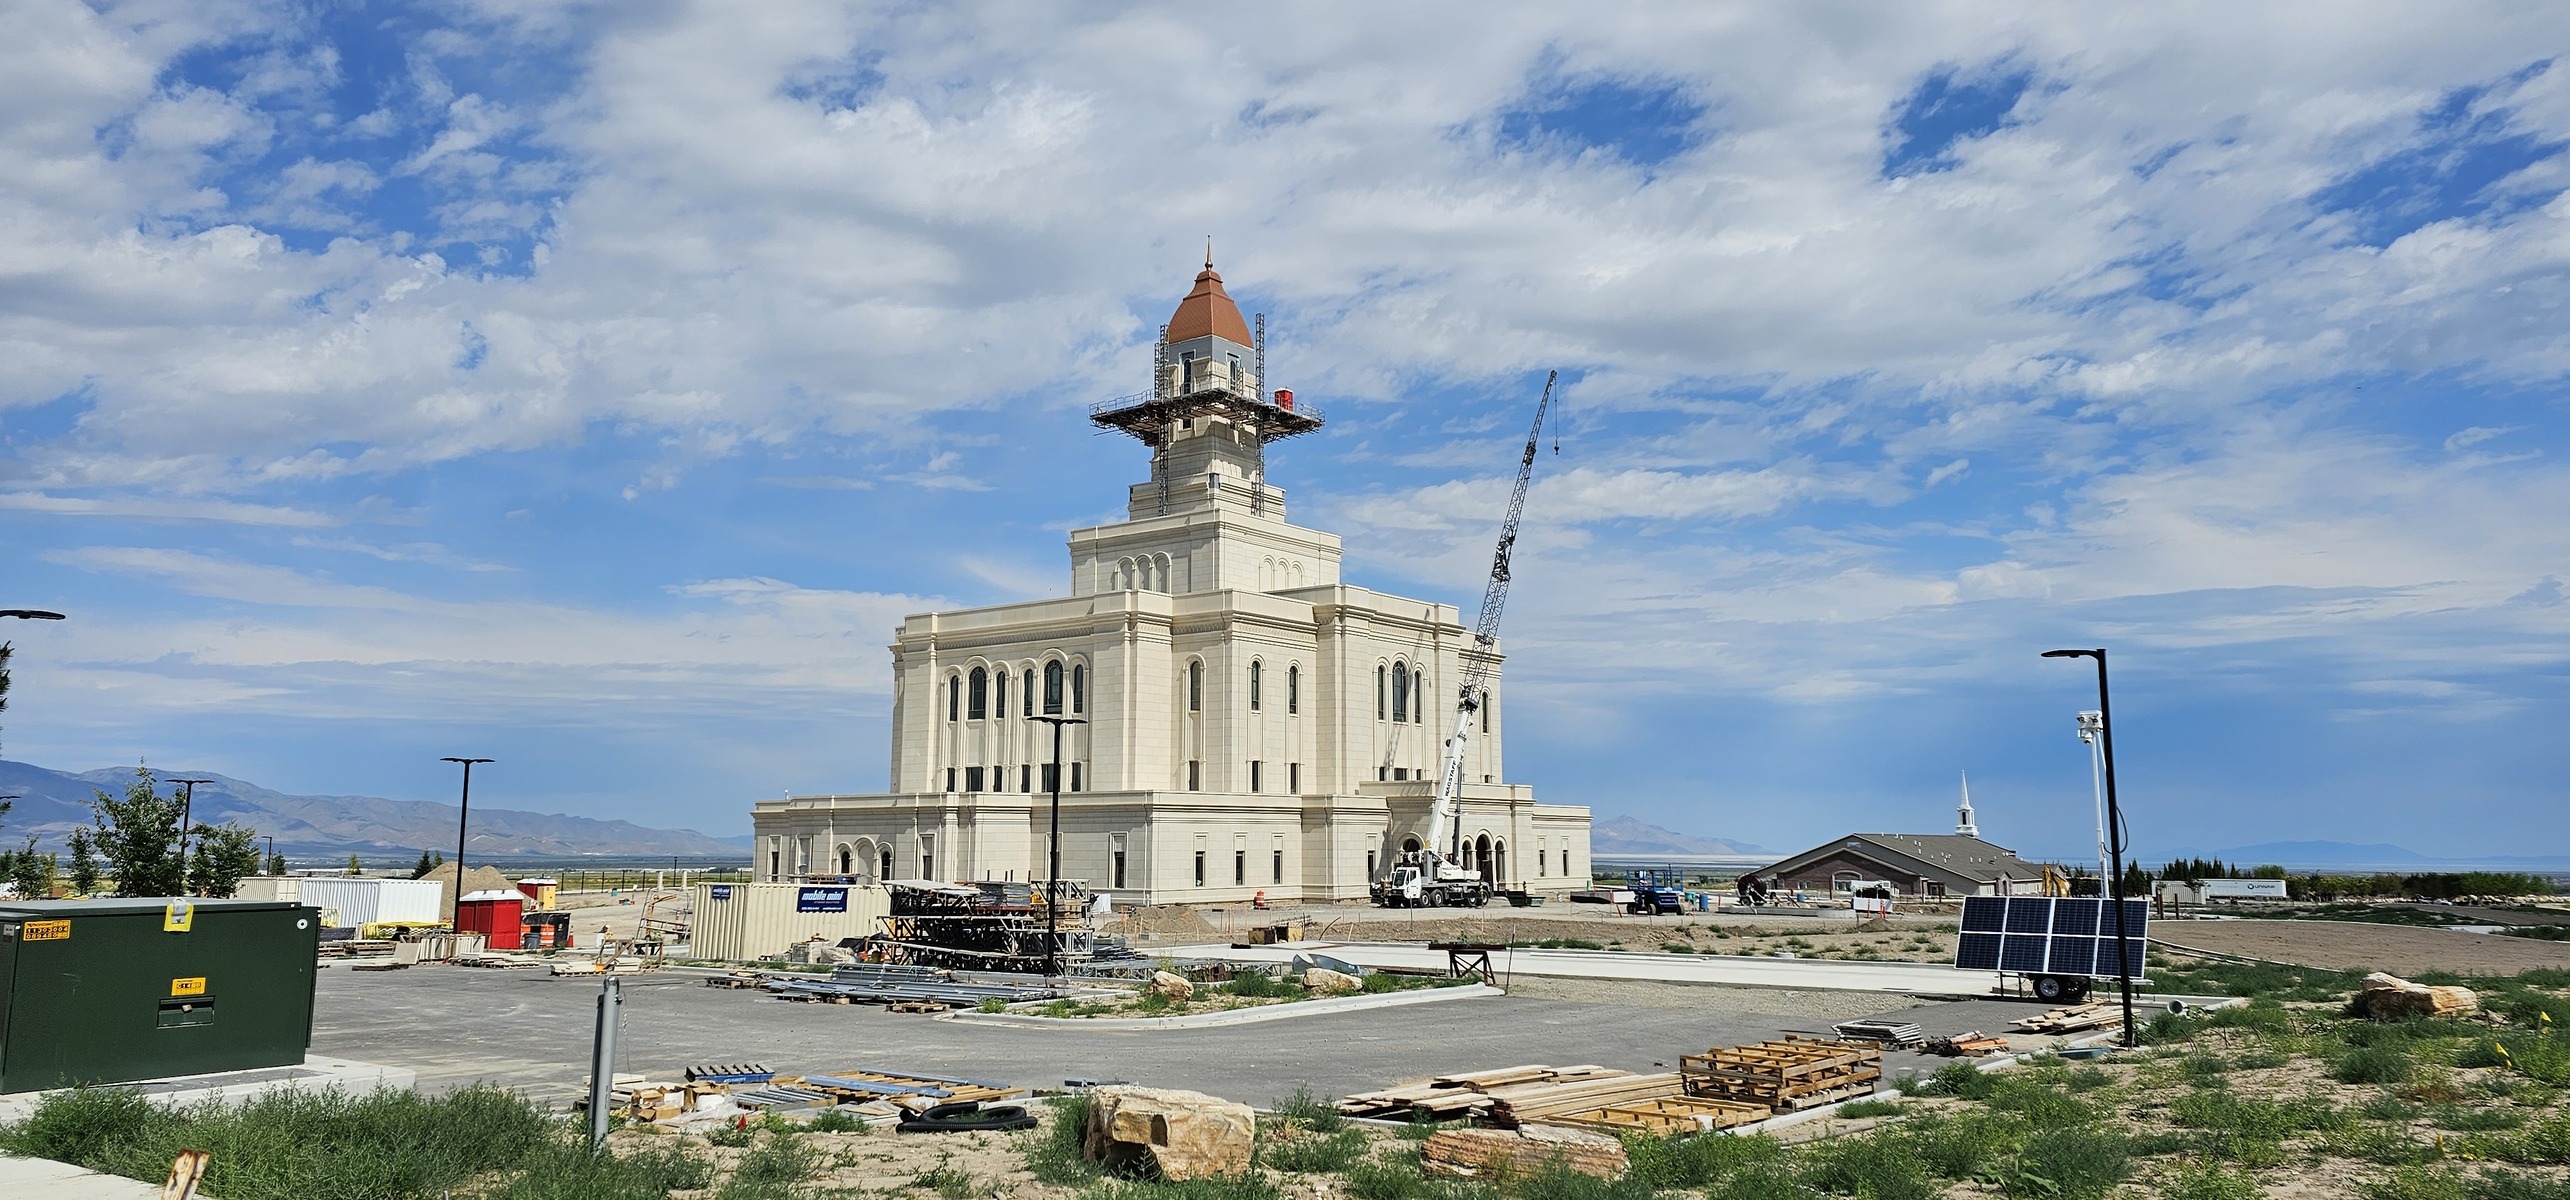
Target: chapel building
x,y
1247,722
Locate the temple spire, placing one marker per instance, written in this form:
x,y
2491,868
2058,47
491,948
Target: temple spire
x,y
1963,822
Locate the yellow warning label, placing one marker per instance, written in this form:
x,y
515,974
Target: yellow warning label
x,y
188,987
178,916
47,931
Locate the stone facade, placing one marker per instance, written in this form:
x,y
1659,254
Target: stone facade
x,y
1250,722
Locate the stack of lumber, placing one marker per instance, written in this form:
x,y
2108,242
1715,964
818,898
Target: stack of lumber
x,y
1787,1075
1891,1035
1471,1153
1667,1116
916,1092
1966,1045
1450,1096
2096,1014
1521,1104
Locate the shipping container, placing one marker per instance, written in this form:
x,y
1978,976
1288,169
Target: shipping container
x,y
113,991
347,903
495,914
287,888
740,922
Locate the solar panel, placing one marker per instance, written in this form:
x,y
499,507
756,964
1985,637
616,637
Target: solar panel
x,y
2074,956
2049,935
2030,914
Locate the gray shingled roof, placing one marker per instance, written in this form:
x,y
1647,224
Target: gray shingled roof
x,y
1966,857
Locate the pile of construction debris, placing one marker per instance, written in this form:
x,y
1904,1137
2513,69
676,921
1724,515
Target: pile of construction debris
x,y
1719,1089
717,1093
2096,1014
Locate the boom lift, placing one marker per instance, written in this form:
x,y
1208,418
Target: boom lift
x,y
1426,876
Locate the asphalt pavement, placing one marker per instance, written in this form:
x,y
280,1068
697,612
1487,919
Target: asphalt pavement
x,y
531,1031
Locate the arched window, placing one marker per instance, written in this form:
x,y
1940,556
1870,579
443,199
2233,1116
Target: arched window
x,y
1029,702
1293,689
1254,671
954,697
1195,685
978,695
1378,693
999,692
1400,694
887,862
1079,687
1053,689
847,860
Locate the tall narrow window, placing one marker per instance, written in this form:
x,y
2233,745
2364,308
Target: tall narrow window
x,y
887,862
927,857
1239,867
1053,689
977,695
1026,777
1400,694
999,692
950,779
1279,866
1200,867
1029,702
1485,712
1293,689
1195,685
1378,693
1079,688
1294,778
1116,852
1254,672
1052,777
954,697
1254,780
972,779
1076,781
1419,695
1195,775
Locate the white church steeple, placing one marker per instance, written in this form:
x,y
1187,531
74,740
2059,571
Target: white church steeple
x,y
1963,823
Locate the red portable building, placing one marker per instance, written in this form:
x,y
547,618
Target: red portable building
x,y
495,914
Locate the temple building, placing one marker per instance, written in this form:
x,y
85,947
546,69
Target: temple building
x,y
1238,719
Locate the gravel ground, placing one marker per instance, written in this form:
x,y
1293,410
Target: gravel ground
x,y
1809,1006
2354,946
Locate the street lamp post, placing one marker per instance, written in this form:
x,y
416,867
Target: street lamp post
x,y
1053,856
186,821
272,857
2114,837
463,814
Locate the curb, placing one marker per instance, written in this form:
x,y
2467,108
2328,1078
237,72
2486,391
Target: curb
x,y
1237,1016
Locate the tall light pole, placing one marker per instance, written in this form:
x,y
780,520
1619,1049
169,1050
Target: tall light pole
x,y
463,814
1053,854
272,857
186,821
2114,838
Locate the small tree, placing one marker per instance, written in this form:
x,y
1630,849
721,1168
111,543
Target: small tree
x,y
84,861
424,866
138,836
221,856
33,873
355,867
276,864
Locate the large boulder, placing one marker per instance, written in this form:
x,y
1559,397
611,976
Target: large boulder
x,y
2390,998
1172,1134
1174,987
1329,982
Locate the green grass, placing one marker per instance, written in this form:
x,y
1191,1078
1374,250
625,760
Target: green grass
x,y
1858,1109
1053,1155
945,1179
2374,1064
2209,1181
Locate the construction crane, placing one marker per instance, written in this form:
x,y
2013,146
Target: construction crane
x,y
1430,876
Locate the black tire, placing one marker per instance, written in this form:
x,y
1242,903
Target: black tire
x,y
2052,988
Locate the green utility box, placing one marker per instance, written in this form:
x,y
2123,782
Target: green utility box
x,y
111,991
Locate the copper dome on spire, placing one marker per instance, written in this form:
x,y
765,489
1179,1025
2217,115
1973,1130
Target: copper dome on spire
x,y
1208,312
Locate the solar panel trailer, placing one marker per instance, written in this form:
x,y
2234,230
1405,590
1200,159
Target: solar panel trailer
x,y
2060,944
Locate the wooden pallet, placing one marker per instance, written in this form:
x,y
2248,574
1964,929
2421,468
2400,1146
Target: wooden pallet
x,y
2096,1014
1786,1075
1529,1102
1666,1115
1447,1097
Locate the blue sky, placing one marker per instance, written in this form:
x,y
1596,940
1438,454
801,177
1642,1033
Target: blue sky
x,y
593,387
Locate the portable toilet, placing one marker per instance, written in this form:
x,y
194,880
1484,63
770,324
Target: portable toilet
x,y
541,892
495,914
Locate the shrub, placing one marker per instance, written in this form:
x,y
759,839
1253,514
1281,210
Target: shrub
x,y
1698,1161
1958,1146
2262,1014
773,1167
2373,1064
1258,985
1860,1109
1314,1153
2079,1164
2416,1183
836,1120
2208,1181
1054,1156
1883,1168
992,1004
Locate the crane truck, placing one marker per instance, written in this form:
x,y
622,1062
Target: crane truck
x,y
1428,877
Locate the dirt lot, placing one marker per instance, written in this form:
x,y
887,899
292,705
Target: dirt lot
x,y
2349,945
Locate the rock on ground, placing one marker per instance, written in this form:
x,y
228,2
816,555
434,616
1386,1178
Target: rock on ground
x,y
1176,1135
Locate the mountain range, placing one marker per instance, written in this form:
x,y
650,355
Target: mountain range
x,y
50,803
1629,835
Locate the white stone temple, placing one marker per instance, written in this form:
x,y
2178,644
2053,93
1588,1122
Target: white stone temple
x,y
1250,722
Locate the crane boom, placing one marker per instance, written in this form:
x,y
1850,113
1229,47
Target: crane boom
x,y
1473,692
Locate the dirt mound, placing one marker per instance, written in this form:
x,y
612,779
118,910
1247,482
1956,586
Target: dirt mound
x,y
1168,923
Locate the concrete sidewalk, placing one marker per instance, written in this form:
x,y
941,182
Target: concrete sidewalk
x,y
1840,975
44,1177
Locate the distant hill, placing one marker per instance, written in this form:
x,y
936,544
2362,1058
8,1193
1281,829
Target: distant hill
x,y
2368,856
52,802
1627,835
